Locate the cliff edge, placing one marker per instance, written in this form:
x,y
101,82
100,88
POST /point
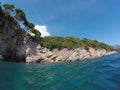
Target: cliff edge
x,y
18,46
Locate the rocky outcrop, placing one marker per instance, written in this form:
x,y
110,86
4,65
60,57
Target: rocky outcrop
x,y
44,55
12,40
17,45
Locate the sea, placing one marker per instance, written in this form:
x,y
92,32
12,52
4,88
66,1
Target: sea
x,y
93,74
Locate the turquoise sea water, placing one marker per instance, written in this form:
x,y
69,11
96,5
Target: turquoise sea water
x,y
95,74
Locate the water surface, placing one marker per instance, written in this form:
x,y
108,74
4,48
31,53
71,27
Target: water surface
x,y
95,74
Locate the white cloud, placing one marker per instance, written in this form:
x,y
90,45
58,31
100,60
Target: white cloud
x,y
43,30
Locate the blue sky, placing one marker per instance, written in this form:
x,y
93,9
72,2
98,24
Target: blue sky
x,y
93,19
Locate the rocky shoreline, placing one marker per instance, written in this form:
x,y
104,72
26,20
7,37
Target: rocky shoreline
x,y
17,45
32,52
44,55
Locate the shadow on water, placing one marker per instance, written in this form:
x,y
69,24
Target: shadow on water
x,y
94,74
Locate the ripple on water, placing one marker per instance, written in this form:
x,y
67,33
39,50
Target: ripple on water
x,y
94,74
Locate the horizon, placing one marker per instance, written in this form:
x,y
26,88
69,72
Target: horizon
x,y
92,19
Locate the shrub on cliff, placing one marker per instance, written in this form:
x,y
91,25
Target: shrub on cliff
x,y
37,34
17,14
8,8
72,43
49,42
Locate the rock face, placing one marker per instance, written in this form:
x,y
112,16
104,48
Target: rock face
x,y
17,45
44,55
10,39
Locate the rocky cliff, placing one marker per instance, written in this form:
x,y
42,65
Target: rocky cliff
x,y
44,55
17,45
10,39
13,41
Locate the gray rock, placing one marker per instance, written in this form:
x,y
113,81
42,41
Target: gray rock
x,y
1,58
17,45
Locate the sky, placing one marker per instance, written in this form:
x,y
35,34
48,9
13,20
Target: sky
x,y
92,19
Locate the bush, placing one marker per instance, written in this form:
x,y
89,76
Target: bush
x,y
72,43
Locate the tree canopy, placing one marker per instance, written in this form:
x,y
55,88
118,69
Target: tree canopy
x,y
50,42
8,7
20,17
72,43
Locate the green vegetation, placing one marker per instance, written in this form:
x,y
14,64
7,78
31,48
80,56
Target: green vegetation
x,y
17,14
8,8
37,34
72,43
49,42
20,15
